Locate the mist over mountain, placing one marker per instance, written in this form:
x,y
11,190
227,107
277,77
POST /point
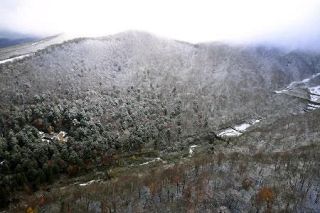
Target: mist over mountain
x,y
286,24
134,99
9,38
223,79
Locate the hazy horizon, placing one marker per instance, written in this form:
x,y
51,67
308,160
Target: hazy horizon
x,y
289,24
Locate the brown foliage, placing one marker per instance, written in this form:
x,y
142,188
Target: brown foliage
x,y
265,194
154,188
173,174
31,210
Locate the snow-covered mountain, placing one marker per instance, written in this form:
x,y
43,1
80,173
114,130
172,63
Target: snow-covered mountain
x,y
235,125
226,82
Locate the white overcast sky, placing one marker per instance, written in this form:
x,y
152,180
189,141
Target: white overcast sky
x,y
285,22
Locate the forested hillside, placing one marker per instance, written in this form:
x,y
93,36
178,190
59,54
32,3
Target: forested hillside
x,y
73,107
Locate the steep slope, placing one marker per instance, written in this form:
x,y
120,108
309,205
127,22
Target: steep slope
x,y
224,82
79,105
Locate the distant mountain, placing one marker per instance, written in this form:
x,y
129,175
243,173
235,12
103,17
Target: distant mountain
x,y
8,38
4,42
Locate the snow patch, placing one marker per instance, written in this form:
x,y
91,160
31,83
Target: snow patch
x,y
281,91
314,98
14,58
254,121
229,132
242,127
312,106
90,182
314,93
152,161
306,80
237,130
315,90
46,140
191,149
296,83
